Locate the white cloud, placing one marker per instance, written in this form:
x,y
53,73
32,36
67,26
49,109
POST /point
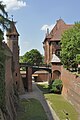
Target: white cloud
x,y
13,4
50,27
44,27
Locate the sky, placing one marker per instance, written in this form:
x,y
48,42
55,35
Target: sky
x,y
33,17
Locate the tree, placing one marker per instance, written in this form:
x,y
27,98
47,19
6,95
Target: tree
x,y
3,24
70,46
4,21
56,86
33,57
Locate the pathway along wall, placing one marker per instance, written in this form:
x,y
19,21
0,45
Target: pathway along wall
x,y
71,87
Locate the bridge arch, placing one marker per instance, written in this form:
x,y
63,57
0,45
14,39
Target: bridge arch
x,y
56,74
28,74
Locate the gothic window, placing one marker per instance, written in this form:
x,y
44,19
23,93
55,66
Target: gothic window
x,y
16,82
14,36
53,43
57,43
16,74
58,53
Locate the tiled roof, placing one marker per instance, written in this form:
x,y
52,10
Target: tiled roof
x,y
55,59
12,30
58,29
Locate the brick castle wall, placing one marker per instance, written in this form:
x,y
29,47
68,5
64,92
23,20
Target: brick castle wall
x,y
71,87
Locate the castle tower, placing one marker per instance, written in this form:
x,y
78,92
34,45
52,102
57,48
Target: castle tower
x,y
12,42
56,67
51,43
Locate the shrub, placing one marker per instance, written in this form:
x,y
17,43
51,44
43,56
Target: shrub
x,y
50,84
56,86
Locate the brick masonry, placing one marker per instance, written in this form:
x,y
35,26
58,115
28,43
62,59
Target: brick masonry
x,y
51,43
71,87
29,76
56,71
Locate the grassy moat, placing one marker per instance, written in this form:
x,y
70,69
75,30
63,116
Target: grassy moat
x,y
63,109
31,109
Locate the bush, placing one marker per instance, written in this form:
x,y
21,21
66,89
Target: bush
x,y
56,86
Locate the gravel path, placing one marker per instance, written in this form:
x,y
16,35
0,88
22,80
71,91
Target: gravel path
x,y
37,94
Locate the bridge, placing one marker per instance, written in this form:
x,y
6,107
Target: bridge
x,y
29,70
36,67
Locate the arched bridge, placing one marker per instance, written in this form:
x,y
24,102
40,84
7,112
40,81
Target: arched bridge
x,y
29,71
36,67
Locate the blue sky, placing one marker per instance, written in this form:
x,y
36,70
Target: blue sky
x,y
33,16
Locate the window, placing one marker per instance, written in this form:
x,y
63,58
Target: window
x,y
16,74
58,53
16,83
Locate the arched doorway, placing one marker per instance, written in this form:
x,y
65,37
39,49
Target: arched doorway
x,y
56,75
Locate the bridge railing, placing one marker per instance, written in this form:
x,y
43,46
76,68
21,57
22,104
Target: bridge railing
x,y
40,65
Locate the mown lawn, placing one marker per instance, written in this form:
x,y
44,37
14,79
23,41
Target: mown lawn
x,y
62,107
31,109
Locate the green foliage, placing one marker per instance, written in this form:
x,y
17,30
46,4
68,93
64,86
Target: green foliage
x,y
78,58
3,24
32,57
4,21
43,87
56,86
2,80
70,46
1,37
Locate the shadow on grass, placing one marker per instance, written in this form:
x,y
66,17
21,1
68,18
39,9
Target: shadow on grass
x,y
31,109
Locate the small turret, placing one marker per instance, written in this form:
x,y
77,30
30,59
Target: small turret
x,y
12,36
12,29
12,42
56,67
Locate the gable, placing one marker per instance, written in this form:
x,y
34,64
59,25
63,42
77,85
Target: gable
x,y
56,32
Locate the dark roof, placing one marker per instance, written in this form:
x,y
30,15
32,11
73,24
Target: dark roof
x,y
56,32
12,30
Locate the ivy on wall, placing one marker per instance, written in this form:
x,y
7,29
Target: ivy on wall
x,y
2,79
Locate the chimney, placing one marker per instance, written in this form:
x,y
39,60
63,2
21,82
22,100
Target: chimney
x,y
47,32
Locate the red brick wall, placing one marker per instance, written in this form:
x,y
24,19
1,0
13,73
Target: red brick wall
x,y
56,68
71,87
29,76
9,88
42,77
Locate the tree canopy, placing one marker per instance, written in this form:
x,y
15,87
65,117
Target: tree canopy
x,y
33,57
3,24
70,47
4,21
